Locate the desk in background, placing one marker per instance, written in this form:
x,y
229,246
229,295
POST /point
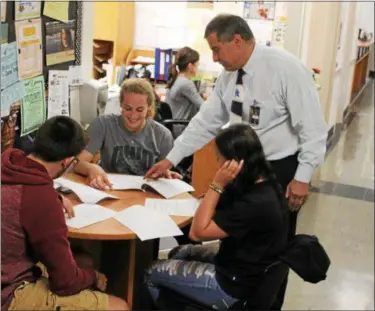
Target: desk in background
x,y
123,257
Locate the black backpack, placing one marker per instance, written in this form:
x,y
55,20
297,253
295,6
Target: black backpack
x,y
307,257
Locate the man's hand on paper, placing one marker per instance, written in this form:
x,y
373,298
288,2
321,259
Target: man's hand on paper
x,y
68,206
159,169
98,178
172,175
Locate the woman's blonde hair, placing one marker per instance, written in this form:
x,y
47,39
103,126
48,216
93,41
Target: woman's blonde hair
x,y
139,86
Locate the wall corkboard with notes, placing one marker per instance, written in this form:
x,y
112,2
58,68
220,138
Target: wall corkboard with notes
x,y
60,42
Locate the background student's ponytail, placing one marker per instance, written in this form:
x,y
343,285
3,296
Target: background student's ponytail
x,y
173,73
184,57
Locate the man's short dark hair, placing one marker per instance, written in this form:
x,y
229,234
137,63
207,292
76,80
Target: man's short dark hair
x,y
58,138
226,26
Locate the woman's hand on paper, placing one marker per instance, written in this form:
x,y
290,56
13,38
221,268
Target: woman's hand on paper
x,y
98,178
227,173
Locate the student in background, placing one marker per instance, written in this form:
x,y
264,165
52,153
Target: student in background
x,y
246,210
33,228
182,95
129,143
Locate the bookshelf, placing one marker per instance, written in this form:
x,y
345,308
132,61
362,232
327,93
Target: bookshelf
x,y
102,52
113,29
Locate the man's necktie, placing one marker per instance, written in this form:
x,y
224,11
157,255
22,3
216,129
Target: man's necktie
x,y
238,97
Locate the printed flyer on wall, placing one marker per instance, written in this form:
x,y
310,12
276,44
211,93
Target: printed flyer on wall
x,y
27,9
9,69
29,44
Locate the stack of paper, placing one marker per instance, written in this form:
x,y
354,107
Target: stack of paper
x,y
85,193
88,214
185,207
147,223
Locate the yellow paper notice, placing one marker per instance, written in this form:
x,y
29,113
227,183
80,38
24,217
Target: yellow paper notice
x,y
57,9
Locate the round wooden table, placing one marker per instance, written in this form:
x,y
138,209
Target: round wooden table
x,y
123,257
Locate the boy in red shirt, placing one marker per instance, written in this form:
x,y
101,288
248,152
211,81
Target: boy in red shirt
x,y
33,228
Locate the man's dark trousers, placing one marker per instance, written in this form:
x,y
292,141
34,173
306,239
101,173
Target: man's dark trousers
x,y
285,170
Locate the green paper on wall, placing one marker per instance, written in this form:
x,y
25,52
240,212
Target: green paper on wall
x,y
33,105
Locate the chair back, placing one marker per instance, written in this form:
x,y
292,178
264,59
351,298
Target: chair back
x,y
264,297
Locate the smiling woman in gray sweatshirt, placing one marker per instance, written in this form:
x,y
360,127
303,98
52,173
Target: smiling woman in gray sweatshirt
x,y
182,94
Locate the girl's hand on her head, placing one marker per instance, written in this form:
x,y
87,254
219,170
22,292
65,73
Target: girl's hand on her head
x,y
227,173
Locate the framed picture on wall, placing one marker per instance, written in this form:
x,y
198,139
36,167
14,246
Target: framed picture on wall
x,y
60,39
264,10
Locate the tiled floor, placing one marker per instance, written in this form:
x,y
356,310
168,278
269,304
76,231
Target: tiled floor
x,y
340,211
341,214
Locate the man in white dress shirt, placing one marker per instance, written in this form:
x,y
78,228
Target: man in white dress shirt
x,y
273,91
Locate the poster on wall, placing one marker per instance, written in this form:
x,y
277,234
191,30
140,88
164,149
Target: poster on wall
x,y
27,9
3,11
33,106
57,10
4,33
58,93
264,10
9,69
10,95
278,33
60,42
29,44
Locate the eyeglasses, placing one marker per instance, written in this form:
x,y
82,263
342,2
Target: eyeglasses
x,y
74,161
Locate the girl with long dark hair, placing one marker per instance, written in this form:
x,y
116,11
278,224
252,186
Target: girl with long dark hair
x,y
245,209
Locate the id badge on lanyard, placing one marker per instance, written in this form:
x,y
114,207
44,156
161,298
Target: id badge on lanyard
x,y
254,114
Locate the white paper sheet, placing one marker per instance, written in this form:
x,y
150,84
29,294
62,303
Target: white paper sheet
x,y
182,207
85,193
75,76
125,182
58,93
88,214
169,188
148,224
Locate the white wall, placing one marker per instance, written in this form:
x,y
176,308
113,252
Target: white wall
x,y
87,39
157,26
320,38
366,16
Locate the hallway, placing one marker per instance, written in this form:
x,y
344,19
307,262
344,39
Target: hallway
x,y
341,214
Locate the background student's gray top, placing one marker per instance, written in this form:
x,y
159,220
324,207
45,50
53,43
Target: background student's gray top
x,y
290,120
124,152
184,100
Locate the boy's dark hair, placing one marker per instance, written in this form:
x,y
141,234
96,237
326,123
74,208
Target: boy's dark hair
x,y
58,138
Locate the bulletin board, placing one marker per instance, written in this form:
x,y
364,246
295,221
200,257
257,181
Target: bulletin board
x,y
11,124
75,13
